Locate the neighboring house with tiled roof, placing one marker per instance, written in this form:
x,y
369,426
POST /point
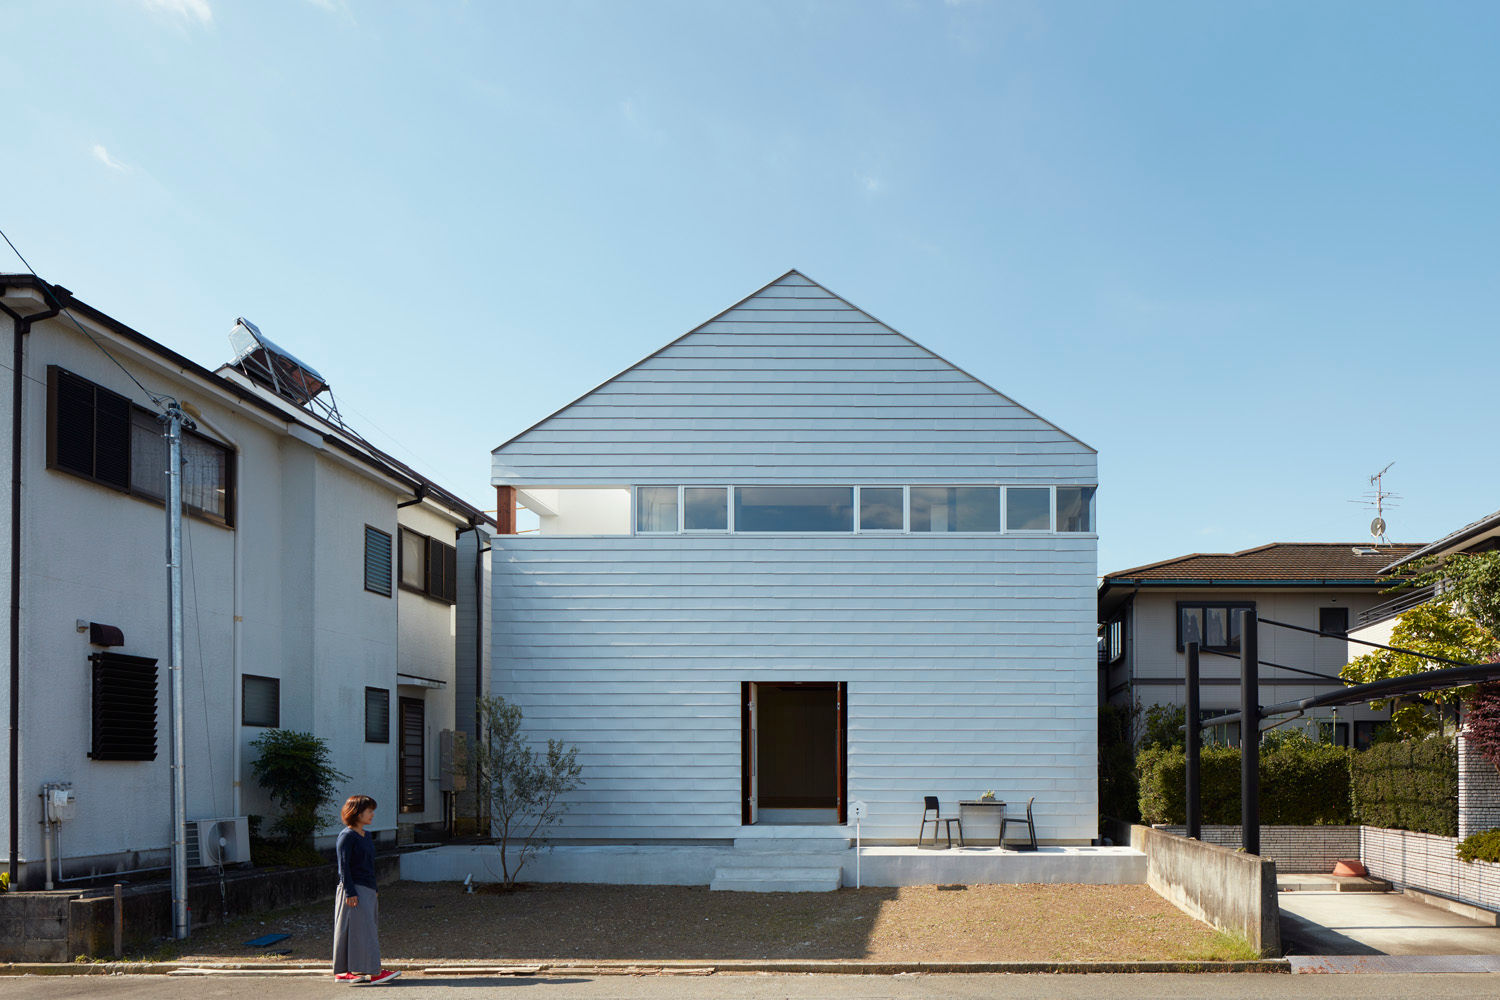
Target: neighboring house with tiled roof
x,y
1375,623
1148,614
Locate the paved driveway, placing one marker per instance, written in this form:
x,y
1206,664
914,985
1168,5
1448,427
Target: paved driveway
x,y
1377,923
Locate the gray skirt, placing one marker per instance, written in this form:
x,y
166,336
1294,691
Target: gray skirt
x,y
356,935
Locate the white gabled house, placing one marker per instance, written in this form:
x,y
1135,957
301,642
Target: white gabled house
x,y
793,560
329,588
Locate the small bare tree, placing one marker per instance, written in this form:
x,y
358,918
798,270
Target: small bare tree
x,y
524,788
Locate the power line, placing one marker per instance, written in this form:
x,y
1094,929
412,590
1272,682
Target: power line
x,y
156,398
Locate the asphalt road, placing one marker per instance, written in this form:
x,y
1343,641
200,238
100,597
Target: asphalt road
x,y
774,987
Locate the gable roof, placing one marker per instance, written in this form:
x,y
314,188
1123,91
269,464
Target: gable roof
x,y
791,349
1474,536
245,392
1275,562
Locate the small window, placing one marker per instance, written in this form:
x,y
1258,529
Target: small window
x,y
377,715
705,508
413,560
794,508
124,707
260,701
442,571
1075,508
377,561
1027,508
656,508
1116,640
955,508
1335,620
1213,626
880,508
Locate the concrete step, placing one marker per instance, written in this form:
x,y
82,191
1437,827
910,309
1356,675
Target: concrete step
x,y
729,879
792,845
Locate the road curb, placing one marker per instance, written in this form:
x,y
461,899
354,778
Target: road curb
x,y
553,969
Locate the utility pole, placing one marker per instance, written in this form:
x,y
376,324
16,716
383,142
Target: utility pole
x,y
176,420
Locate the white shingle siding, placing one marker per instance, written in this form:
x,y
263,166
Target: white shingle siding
x,y
793,386
969,659
969,665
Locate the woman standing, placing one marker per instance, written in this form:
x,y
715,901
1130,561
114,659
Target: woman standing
x,y
356,906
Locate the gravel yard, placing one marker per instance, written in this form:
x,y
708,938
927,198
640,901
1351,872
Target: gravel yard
x,y
436,921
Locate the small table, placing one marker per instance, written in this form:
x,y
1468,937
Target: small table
x,y
991,809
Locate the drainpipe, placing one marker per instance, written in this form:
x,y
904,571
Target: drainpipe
x,y
20,326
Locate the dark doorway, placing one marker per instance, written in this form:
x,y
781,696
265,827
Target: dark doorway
x,y
794,742
413,731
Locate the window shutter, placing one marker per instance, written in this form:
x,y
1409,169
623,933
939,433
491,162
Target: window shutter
x,y
124,707
72,422
111,438
377,561
442,569
450,574
377,715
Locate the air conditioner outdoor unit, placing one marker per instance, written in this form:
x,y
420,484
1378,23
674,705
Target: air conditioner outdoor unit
x,y
203,836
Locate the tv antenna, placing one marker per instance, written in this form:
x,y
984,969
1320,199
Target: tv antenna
x,y
1379,498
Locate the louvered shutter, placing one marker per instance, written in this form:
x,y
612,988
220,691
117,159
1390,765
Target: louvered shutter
x,y
111,438
377,561
124,707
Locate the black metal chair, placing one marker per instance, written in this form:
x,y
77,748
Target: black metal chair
x,y
930,805
1030,827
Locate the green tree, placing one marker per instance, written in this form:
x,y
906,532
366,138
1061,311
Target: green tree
x,y
1466,582
1436,629
296,771
524,789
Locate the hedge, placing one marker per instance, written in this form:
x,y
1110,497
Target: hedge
x,y
1302,783
1410,785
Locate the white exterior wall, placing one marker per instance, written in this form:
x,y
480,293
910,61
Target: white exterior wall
x,y
1152,643
279,595
969,663
969,658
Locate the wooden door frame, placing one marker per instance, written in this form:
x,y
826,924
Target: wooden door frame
x,y
748,745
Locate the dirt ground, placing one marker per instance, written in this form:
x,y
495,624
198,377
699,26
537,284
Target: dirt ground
x,y
436,921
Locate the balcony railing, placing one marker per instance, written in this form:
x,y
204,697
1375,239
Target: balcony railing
x,y
1403,601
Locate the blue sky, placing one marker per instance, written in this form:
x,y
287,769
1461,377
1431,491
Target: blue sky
x,y
1248,251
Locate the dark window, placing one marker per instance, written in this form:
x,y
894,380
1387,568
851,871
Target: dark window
x,y
124,707
429,566
880,508
1333,620
705,508
102,436
1213,625
1366,733
1075,508
794,508
413,732
377,561
260,701
377,715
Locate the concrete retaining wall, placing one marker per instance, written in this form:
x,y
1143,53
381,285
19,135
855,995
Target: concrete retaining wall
x,y
1298,849
60,925
1234,892
1429,863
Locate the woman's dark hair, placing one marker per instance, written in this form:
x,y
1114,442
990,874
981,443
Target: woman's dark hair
x,y
356,805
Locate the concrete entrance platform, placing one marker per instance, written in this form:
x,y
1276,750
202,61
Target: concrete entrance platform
x,y
1363,923
695,863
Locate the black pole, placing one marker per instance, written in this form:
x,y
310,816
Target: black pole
x,y
1194,739
1249,733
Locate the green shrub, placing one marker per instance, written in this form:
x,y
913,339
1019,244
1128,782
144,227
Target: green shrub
x,y
1410,785
1302,783
1118,792
1482,846
296,770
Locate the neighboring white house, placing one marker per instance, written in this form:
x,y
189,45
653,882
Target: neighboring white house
x,y
792,560
1148,614
300,611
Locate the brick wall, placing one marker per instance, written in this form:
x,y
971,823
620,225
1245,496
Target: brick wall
x,y
1300,849
1428,862
1478,791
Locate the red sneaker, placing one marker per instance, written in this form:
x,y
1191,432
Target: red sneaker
x,y
350,977
382,977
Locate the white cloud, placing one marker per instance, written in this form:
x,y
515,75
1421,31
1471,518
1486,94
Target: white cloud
x,y
869,183
102,155
188,10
